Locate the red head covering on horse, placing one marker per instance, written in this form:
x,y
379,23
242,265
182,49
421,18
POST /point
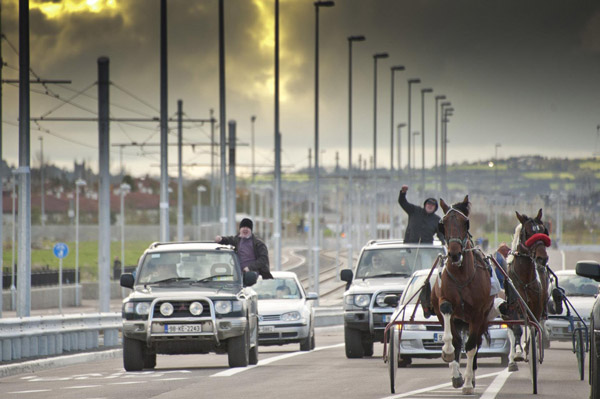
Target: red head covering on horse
x,y
538,237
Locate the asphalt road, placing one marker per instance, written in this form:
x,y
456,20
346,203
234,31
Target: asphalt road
x,y
284,372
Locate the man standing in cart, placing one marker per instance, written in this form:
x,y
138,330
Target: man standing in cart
x,y
422,221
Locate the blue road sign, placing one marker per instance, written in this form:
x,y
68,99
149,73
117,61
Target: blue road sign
x,y
61,250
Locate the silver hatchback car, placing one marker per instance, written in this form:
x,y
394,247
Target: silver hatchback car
x,y
285,311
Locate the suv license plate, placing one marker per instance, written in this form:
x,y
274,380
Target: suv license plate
x,y
387,318
183,328
437,337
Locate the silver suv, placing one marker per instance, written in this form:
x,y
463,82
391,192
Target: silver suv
x,y
189,298
383,268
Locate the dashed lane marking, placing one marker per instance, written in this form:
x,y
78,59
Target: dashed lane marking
x,y
443,386
237,370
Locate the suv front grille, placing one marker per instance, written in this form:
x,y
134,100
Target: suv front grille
x,y
181,309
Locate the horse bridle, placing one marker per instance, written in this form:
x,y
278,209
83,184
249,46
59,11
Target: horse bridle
x,y
537,228
462,241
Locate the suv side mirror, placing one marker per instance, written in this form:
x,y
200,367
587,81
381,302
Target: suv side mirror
x,y
588,268
347,275
391,300
312,296
250,279
127,280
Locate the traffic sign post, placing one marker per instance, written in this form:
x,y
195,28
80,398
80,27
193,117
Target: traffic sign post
x,y
60,250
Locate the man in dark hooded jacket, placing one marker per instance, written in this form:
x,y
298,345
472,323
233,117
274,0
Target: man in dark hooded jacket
x,y
422,221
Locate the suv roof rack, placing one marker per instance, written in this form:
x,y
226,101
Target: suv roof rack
x,y
159,243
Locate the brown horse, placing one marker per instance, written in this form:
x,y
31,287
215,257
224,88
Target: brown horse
x,y
527,269
463,300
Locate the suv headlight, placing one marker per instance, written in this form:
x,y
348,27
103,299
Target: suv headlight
x,y
142,308
362,300
223,307
380,301
290,316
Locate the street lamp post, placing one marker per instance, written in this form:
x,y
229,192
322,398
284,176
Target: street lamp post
x,y
252,193
13,288
446,112
410,83
437,98
393,69
496,189
374,207
42,185
78,183
414,144
123,190
317,4
423,92
200,189
351,39
400,126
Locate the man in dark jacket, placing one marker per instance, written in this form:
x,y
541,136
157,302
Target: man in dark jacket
x,y
252,252
422,221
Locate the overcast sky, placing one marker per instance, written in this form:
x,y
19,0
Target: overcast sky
x,y
522,74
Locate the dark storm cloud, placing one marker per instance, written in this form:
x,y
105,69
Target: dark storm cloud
x,y
514,70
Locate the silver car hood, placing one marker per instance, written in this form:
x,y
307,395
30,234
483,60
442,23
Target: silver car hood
x,y
278,306
371,285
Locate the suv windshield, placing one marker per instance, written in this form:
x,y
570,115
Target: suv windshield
x,y
577,285
197,266
391,262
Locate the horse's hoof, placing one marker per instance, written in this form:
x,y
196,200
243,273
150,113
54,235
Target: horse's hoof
x,y
473,381
519,357
448,357
513,367
468,391
458,382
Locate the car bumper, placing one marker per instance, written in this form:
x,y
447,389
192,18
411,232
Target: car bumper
x,y
211,330
282,333
561,330
428,344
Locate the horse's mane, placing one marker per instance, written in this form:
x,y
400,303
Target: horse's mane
x,y
463,207
515,242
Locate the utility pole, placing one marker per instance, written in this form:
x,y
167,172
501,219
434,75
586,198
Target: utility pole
x,y
24,253
277,177
252,184
222,120
179,171
232,188
104,186
43,193
212,159
164,127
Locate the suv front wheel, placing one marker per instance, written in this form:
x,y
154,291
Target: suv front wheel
x,y
133,354
354,344
238,350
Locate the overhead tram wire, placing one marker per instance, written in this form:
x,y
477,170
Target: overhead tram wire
x,y
134,97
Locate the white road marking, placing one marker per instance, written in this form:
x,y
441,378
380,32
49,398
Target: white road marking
x,y
496,385
32,391
435,387
128,382
237,370
173,379
82,386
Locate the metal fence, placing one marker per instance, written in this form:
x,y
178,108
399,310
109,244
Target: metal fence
x,y
38,336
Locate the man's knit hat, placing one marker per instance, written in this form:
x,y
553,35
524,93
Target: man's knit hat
x,y
246,223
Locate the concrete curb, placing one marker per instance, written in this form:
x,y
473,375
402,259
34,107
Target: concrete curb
x,y
32,366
